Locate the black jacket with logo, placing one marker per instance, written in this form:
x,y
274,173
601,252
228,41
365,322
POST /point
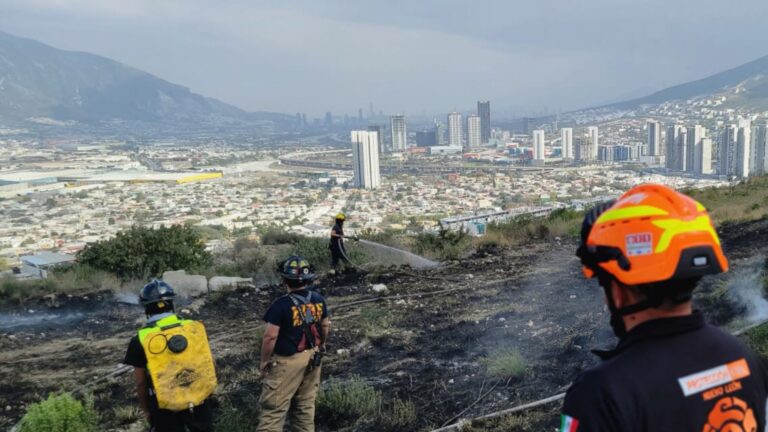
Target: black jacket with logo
x,y
671,375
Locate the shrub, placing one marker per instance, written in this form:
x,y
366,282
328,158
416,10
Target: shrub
x,y
140,253
18,290
127,414
374,320
348,399
61,413
232,419
505,363
274,236
400,415
757,339
446,244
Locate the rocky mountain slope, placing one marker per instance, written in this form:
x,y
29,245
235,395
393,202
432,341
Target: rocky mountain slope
x,y
745,85
37,80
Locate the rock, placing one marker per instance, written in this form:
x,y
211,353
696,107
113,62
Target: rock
x,y
573,296
12,337
379,289
502,319
226,283
186,285
186,311
31,311
8,408
342,352
450,381
470,276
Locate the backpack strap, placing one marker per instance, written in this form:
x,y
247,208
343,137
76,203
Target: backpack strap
x,y
304,324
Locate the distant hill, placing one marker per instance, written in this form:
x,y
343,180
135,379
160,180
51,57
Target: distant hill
x,y
37,80
745,85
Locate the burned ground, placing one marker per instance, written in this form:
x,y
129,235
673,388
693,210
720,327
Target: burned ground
x,y
431,350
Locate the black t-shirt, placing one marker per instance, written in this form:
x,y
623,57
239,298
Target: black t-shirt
x,y
283,313
336,242
135,355
670,375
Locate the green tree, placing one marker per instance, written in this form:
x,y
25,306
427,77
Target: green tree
x,y
141,252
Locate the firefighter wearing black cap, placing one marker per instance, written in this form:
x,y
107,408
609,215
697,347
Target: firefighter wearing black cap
x,y
291,351
670,371
173,367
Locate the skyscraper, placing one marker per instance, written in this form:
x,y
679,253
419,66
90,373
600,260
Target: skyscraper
x,y
365,159
654,138
379,137
454,129
474,131
426,138
594,139
399,133
760,140
566,139
693,147
704,156
328,119
484,111
538,145
682,149
743,151
673,134
726,159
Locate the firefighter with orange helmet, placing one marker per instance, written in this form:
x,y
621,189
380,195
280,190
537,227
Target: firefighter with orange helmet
x,y
670,370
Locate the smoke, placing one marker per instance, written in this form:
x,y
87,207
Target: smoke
x,y
127,297
746,285
16,321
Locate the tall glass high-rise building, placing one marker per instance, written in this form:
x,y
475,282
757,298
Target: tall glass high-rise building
x,y
566,140
454,129
484,111
399,133
474,131
365,159
654,138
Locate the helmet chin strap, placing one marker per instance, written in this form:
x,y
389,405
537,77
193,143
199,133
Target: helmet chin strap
x,y
618,314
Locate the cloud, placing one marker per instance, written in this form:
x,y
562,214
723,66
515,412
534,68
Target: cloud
x,y
404,56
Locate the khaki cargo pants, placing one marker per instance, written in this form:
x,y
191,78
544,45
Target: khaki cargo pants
x,y
289,380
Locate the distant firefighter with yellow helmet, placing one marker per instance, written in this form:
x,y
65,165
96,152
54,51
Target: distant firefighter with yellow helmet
x,y
670,371
336,245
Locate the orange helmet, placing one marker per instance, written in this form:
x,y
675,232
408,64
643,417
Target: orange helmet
x,y
651,234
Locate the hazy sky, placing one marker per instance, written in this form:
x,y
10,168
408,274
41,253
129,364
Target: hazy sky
x,y
406,56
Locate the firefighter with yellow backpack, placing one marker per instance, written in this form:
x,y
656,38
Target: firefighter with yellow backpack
x,y
173,366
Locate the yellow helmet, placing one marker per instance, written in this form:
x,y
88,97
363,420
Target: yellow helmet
x,y
340,216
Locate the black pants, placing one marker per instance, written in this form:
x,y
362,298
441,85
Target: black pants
x,y
199,420
338,255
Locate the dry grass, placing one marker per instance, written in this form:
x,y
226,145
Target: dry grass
x,y
505,363
741,202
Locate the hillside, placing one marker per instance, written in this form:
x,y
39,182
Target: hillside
x,y
505,324
39,81
743,85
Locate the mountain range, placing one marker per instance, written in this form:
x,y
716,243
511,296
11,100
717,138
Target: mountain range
x,y
745,86
40,81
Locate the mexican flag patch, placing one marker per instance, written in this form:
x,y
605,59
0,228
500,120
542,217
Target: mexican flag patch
x,y
568,424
